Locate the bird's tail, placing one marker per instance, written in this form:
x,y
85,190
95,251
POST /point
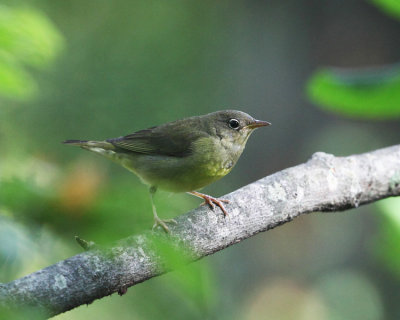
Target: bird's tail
x,y
78,143
88,144
104,148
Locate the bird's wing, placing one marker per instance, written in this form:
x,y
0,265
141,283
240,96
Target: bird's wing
x,y
173,139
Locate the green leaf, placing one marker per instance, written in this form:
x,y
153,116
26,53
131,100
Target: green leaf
x,y
15,82
372,93
27,38
391,7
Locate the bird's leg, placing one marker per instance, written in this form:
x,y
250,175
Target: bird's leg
x,y
157,220
211,201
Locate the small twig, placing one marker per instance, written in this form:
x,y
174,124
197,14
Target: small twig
x,y
86,245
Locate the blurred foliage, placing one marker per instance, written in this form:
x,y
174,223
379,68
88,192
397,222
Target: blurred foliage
x,y
195,282
334,296
391,7
15,82
84,203
367,93
370,93
27,39
386,244
24,250
284,299
351,296
21,314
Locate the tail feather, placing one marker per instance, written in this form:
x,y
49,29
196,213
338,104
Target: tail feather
x,y
76,142
89,144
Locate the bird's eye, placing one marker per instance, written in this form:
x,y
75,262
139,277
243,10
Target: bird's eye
x,y
234,124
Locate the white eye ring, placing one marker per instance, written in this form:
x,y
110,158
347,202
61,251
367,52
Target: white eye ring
x,y
234,124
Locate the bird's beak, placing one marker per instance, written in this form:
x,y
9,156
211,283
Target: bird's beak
x,y
257,124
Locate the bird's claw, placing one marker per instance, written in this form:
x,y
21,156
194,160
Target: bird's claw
x,y
212,204
163,223
211,201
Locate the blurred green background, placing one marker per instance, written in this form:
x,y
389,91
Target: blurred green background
x,y
100,69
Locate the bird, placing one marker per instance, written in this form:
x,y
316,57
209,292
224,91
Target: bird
x,y
183,155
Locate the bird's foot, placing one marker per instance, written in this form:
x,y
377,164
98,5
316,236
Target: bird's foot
x,y
163,223
211,201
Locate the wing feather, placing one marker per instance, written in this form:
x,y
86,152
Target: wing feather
x,y
172,139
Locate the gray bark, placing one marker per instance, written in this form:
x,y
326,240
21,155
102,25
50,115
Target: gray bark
x,y
324,183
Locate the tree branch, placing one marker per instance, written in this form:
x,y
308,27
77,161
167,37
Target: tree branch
x,y
324,183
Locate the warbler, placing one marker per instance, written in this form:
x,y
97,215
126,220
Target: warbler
x,y
183,155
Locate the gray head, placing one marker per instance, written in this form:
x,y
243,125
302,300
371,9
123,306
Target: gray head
x,y
232,125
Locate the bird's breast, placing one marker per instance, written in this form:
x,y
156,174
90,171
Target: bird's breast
x,y
216,158
217,169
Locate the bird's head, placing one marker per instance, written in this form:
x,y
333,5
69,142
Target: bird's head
x,y
233,127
